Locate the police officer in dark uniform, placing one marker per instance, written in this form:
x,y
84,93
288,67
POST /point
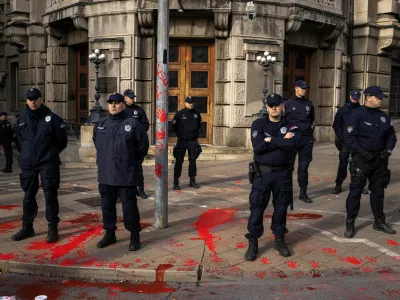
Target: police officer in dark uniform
x,y
186,125
121,142
299,112
339,125
137,112
6,136
371,138
41,136
274,144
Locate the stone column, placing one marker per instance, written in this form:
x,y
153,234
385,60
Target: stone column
x,y
36,64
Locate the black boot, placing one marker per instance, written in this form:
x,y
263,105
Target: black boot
x,y
193,183
52,233
280,246
7,170
350,230
381,225
25,232
337,189
141,192
365,191
108,239
252,251
176,184
135,241
303,195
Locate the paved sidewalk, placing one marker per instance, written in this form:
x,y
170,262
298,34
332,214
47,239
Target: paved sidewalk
x,y
205,239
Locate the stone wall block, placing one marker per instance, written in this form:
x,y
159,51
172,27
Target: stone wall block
x,y
384,65
59,55
144,47
59,74
372,63
240,70
127,50
240,92
126,68
358,63
144,69
144,91
222,47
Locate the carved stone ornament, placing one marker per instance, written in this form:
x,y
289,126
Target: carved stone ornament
x,y
80,22
293,23
327,40
146,22
389,41
17,36
57,34
221,24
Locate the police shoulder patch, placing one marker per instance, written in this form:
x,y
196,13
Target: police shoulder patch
x,y
135,112
283,130
254,133
48,118
195,115
383,119
307,108
62,125
128,127
349,129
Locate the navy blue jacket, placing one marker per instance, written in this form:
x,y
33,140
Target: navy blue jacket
x,y
279,151
300,112
186,124
137,112
6,132
121,143
369,130
41,136
341,117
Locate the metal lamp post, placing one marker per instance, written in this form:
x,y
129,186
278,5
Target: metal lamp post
x,y
97,112
266,61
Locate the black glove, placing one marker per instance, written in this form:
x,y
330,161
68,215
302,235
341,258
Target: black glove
x,y
385,155
368,157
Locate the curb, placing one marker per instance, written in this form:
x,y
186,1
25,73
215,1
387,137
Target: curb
x,y
96,273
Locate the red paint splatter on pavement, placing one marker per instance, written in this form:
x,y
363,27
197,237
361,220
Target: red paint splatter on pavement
x,y
171,260
158,170
40,245
265,260
30,291
211,219
353,260
235,269
310,288
391,293
396,257
145,224
371,259
392,242
145,266
292,264
126,265
8,256
363,289
101,264
315,274
190,263
329,250
299,216
114,265
160,271
314,264
9,207
233,189
81,296
261,274
179,245
85,218
280,275
215,258
112,294
367,270
385,271
138,260
9,226
240,245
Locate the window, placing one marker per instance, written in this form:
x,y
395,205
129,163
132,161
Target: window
x,y
394,100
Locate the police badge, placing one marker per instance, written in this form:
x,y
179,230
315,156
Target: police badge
x,y
135,112
349,129
283,130
128,127
307,108
383,119
47,119
254,133
195,115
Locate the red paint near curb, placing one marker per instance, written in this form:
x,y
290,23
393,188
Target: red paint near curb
x,y
9,226
8,256
314,264
85,218
240,245
265,260
392,242
353,260
211,219
9,207
329,250
292,264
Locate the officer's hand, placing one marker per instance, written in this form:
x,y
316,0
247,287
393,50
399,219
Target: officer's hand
x,y
368,157
289,135
385,155
267,140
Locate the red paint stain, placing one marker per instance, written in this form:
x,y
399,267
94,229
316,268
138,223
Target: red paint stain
x,y
235,269
315,274
114,265
85,218
280,275
179,245
211,219
292,264
30,291
158,170
371,259
314,264
138,260
363,289
160,271
233,189
261,274
385,271
145,224
112,294
265,260
238,182
190,263
353,260
240,245
215,258
8,256
41,245
392,242
144,266
366,270
9,226
396,258
299,216
101,264
126,265
329,250
310,288
81,296
9,207
391,293
171,260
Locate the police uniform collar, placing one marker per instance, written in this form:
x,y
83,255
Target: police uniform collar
x,y
118,116
299,98
371,108
131,105
352,104
42,110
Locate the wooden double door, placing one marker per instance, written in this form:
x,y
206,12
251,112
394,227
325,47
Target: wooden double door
x,y
191,73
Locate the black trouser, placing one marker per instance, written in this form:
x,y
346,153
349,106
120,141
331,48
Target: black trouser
x,y
304,149
127,194
8,153
280,184
140,173
179,154
50,179
375,172
343,162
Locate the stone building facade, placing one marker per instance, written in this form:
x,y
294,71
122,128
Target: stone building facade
x,y
336,45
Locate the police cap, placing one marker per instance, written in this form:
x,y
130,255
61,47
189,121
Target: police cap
x,y
189,99
274,100
355,94
374,91
301,84
116,97
3,113
129,93
33,93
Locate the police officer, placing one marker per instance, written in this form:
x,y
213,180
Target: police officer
x,y
274,144
339,125
299,112
6,136
371,139
138,113
41,136
186,125
121,142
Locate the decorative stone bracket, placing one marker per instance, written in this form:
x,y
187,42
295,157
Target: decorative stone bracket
x,y
327,40
146,22
293,23
17,36
221,24
114,45
389,39
57,34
